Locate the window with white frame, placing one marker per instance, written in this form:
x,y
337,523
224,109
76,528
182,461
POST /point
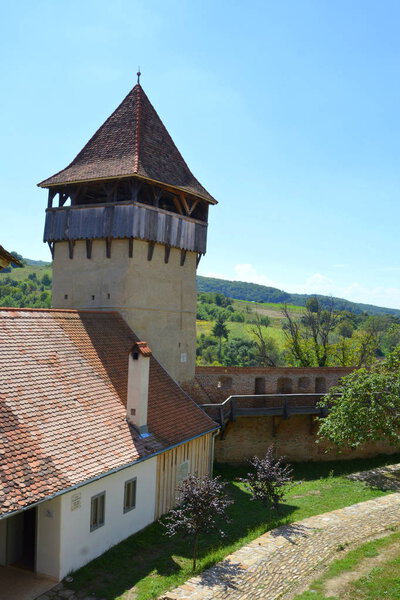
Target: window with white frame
x,y
97,509
130,495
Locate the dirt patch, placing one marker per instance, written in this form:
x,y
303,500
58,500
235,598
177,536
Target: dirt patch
x,y
339,585
310,493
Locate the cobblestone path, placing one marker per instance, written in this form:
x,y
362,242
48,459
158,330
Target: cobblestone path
x,y
276,563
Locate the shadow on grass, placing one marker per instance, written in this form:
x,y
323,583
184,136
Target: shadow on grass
x,y
307,471
166,562
151,552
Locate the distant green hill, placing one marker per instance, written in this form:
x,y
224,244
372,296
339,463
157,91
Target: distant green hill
x,y
37,263
254,292
240,290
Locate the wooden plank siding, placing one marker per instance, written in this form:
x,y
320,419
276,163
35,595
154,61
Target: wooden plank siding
x,y
119,221
199,454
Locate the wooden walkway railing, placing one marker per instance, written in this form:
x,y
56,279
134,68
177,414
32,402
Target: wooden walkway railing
x,y
274,405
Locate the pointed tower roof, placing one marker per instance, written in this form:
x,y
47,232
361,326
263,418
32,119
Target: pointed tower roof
x,y
133,142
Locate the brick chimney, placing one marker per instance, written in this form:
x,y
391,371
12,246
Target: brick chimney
x,y
138,386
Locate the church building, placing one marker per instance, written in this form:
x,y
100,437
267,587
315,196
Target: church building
x,y
127,225
96,429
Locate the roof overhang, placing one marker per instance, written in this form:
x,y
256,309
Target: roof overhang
x,y
102,475
169,187
6,258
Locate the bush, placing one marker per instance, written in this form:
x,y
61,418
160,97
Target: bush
x,y
202,504
270,479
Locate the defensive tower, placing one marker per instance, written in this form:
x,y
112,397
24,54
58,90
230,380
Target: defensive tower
x,y
126,223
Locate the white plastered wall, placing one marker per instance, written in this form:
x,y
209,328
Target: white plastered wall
x,y
79,545
48,538
157,299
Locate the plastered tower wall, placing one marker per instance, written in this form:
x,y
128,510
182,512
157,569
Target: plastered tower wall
x,y
156,299
126,222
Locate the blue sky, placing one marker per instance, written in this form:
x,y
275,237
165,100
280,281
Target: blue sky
x,y
287,112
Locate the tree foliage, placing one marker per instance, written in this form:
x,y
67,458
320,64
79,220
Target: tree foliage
x,y
269,480
32,292
323,336
308,338
240,352
202,506
220,330
365,406
267,351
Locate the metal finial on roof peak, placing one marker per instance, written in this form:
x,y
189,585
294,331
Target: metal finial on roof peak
x,y
138,75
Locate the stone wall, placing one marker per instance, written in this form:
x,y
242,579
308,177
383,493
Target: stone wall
x,y
215,384
294,438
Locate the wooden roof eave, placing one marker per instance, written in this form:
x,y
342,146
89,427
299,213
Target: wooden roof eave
x,y
166,186
8,258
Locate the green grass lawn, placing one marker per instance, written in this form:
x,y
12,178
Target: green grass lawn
x,y
152,563
22,273
241,330
244,330
269,306
379,582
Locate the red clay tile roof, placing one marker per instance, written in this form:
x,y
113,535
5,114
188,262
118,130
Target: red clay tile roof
x,y
63,382
132,142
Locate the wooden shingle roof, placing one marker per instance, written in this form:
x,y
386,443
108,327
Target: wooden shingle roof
x,y
63,387
132,142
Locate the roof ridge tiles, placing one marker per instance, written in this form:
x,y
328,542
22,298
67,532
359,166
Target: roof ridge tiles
x,y
137,89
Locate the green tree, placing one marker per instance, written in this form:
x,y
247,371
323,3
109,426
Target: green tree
x,y
268,354
240,352
365,406
46,280
202,508
391,338
20,258
308,339
220,330
269,479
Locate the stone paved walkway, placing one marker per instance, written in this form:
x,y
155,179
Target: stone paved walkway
x,y
276,563
383,478
62,592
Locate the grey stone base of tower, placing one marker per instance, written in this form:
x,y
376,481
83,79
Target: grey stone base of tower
x,y
154,293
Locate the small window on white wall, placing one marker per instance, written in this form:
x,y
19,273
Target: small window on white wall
x,y
97,511
130,495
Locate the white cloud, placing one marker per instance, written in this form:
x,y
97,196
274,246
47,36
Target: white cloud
x,y
247,272
379,295
214,274
317,284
